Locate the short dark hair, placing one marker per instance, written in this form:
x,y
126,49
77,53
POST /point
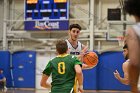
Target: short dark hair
x,y
61,46
74,26
125,46
132,7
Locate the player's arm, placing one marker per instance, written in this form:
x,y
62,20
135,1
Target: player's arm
x,y
79,73
124,80
83,51
44,82
45,76
80,57
79,76
84,48
85,66
134,52
126,77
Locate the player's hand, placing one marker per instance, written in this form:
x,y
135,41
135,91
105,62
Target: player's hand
x,y
84,49
84,66
117,74
82,53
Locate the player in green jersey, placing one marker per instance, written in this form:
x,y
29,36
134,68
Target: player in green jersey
x,y
63,68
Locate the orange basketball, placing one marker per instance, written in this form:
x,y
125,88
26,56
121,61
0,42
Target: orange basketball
x,y
90,59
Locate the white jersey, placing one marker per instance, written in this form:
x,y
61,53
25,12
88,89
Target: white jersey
x,y
72,50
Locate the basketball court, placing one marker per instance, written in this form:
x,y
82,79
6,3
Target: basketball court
x,y
44,91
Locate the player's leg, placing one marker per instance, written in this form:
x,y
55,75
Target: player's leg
x,y
75,87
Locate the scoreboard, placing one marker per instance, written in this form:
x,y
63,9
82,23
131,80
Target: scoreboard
x,y
46,15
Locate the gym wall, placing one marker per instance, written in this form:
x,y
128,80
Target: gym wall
x,y
27,67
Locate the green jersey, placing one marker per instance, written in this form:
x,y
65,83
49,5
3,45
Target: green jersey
x,y
63,72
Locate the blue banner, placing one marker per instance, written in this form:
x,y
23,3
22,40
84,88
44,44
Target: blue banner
x,y
46,25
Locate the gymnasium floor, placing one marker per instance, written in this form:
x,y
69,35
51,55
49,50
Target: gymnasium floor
x,y
45,91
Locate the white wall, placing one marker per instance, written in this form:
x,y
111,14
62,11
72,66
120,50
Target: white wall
x,y
41,62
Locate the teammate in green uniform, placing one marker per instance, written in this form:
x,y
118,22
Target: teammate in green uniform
x,y
63,68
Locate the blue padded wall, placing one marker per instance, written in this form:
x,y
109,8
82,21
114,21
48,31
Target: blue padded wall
x,y
99,78
108,63
24,69
90,80
4,64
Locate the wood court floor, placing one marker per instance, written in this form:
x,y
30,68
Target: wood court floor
x,y
45,91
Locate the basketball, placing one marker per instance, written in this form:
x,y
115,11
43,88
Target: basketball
x,y
90,59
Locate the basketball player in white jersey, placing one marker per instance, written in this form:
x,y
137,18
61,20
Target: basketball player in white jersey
x,y
132,7
75,46
125,66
